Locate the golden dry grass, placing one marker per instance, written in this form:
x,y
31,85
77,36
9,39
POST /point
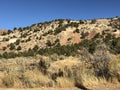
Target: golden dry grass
x,y
64,82
26,73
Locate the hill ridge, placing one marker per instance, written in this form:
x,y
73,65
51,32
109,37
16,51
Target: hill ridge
x,y
57,32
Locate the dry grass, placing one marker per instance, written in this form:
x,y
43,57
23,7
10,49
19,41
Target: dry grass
x,y
114,67
36,79
63,82
30,79
11,80
61,64
68,71
85,76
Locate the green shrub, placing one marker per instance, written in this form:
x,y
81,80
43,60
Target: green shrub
x,y
14,28
115,46
9,55
57,31
5,39
92,47
4,33
97,36
76,31
50,32
36,30
57,40
83,35
29,39
89,44
12,46
20,29
4,48
24,35
81,22
44,64
48,43
9,31
17,42
5,55
73,24
30,52
107,38
93,21
35,48
19,48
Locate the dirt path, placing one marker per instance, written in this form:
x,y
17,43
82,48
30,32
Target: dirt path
x,y
106,87
100,87
74,88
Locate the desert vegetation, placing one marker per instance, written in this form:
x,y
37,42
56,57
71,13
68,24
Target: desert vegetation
x,y
61,53
61,71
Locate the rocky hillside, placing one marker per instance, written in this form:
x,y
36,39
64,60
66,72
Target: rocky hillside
x,y
2,31
57,33
61,53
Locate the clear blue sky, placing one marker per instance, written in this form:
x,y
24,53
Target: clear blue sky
x,y
20,13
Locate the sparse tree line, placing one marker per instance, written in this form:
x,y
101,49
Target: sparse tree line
x,y
110,41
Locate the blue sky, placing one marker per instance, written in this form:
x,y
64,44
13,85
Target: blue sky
x,y
21,13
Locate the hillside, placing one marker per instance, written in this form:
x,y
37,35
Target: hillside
x,y
57,33
2,31
61,53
